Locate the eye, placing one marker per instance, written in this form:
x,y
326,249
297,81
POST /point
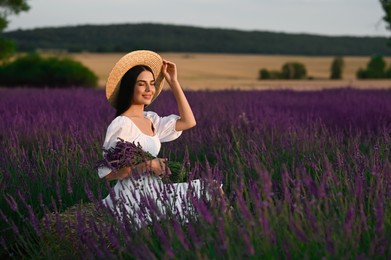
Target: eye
x,y
153,83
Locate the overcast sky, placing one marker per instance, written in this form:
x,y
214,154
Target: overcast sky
x,y
325,17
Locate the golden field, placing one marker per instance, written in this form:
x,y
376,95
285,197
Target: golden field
x,y
240,71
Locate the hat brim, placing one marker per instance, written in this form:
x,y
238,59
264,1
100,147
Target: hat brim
x,y
141,57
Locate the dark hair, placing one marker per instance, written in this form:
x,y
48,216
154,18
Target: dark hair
x,y
126,88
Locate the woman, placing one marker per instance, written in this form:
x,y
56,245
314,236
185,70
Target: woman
x,y
135,81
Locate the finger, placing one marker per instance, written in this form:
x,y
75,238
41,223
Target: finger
x,y
168,62
164,67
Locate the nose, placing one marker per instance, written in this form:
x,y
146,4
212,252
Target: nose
x,y
149,88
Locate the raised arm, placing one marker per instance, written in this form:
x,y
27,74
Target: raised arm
x,y
187,119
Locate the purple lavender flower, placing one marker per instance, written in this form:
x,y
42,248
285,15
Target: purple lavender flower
x,y
34,221
247,240
180,235
349,218
11,202
3,217
129,154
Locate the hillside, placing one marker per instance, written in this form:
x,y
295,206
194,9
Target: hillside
x,y
173,38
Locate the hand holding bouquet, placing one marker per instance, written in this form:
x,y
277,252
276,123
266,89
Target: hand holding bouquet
x,y
129,154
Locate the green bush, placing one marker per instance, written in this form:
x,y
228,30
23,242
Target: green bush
x,y
388,73
34,70
361,74
293,70
7,48
336,68
266,74
376,69
290,70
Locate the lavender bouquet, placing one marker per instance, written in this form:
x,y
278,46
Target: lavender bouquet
x,y
129,154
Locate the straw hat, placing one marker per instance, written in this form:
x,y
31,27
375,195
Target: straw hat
x,y
141,57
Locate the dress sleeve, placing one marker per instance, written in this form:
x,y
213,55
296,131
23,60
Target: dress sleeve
x,y
119,128
164,126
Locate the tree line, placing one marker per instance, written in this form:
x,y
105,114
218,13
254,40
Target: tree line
x,y
376,68
174,38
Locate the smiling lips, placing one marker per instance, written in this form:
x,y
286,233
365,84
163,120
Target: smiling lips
x,y
147,96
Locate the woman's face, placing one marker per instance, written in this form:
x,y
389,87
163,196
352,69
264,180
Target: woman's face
x,y
144,89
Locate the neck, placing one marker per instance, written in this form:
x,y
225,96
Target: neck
x,y
134,111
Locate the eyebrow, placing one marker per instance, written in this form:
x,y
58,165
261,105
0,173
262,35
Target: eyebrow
x,y
144,80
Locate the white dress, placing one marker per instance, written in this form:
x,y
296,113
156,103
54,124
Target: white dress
x,y
135,197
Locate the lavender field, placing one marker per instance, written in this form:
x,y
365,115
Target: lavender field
x,y
308,174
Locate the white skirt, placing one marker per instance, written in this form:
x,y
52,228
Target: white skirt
x,y
143,199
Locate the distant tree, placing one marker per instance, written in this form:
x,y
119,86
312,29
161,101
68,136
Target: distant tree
x,y
99,38
336,69
361,74
376,69
388,73
293,70
11,7
386,4
266,74
7,8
